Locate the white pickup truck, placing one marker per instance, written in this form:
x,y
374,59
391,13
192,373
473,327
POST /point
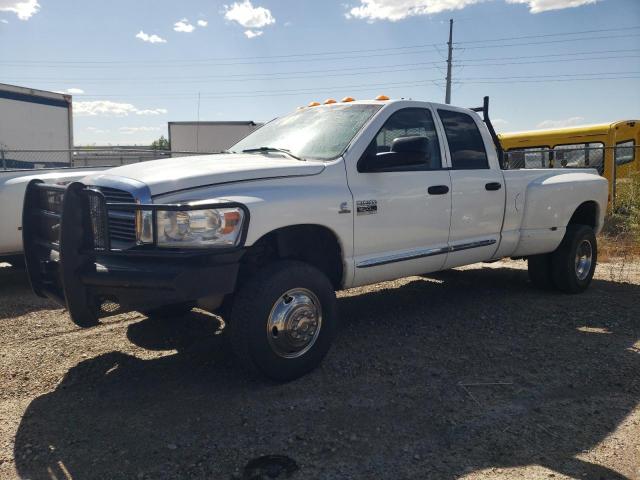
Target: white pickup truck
x,y
12,187
328,197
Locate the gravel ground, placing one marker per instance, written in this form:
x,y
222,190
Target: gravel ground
x,y
469,374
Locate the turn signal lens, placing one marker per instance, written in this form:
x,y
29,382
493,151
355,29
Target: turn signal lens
x,y
231,221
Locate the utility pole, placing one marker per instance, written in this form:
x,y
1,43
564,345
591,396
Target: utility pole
x,y
447,97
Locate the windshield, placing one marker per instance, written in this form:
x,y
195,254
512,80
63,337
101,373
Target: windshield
x,y
320,133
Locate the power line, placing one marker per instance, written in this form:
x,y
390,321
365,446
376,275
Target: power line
x,y
520,57
316,89
163,64
217,59
344,71
525,44
274,58
617,29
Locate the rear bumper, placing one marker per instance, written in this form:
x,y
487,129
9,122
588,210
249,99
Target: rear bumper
x,y
65,263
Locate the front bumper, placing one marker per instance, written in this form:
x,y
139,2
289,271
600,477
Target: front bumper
x,y
65,265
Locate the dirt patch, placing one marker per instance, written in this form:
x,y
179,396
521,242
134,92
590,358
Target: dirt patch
x,y
469,373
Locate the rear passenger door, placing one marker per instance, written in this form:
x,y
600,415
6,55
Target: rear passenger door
x,y
478,190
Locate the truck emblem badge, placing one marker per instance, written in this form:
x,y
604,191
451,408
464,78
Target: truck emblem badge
x,y
366,207
344,208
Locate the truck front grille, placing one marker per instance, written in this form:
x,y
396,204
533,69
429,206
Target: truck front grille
x,y
122,222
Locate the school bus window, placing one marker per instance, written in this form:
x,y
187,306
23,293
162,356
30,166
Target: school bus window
x,y
579,155
533,157
625,152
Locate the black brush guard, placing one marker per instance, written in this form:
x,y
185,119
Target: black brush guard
x,y
69,258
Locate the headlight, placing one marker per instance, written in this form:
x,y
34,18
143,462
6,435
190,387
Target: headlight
x,y
215,227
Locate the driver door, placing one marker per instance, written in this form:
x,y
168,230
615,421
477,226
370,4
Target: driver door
x,y
402,200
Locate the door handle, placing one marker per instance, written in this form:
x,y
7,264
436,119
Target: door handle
x,y
438,190
493,186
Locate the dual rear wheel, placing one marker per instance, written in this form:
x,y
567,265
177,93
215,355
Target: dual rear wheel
x,y
570,268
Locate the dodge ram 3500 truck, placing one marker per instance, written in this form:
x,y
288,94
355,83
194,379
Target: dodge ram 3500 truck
x,y
12,187
328,197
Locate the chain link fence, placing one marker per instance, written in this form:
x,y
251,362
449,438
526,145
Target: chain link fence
x,y
82,157
562,156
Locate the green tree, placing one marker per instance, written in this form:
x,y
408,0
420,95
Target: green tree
x,y
160,144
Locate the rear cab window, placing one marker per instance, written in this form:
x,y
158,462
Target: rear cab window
x,y
465,141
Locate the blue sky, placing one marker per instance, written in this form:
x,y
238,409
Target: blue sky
x,y
142,63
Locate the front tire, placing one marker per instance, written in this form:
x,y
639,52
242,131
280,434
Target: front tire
x,y
574,262
283,320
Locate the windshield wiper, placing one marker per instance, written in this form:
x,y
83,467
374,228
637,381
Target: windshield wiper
x,y
272,149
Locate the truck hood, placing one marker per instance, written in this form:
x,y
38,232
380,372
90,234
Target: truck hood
x,y
173,174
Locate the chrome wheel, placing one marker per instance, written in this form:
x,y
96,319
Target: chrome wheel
x,y
584,258
294,323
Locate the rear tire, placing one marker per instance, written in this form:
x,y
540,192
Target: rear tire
x,y
539,268
574,262
283,320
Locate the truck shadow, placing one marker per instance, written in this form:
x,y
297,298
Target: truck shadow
x,y
427,379
16,295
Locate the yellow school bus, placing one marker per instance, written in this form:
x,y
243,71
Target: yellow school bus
x,y
611,148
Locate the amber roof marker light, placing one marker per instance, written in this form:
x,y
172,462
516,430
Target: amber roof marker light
x,y
329,101
382,97
314,104
348,99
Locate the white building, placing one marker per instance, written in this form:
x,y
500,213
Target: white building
x,y
208,137
33,119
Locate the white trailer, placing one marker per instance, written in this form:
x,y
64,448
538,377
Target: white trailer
x,y
208,137
34,120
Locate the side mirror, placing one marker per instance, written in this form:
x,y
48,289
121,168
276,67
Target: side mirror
x,y
411,145
405,152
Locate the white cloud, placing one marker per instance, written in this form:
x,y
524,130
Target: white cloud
x,y
567,122
75,91
108,108
499,122
253,33
155,111
202,23
2,20
97,130
394,10
183,26
145,37
245,14
132,130
24,9
537,6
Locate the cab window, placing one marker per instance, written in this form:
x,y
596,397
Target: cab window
x,y
465,141
406,142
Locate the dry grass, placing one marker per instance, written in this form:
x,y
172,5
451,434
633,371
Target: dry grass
x,y
619,243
